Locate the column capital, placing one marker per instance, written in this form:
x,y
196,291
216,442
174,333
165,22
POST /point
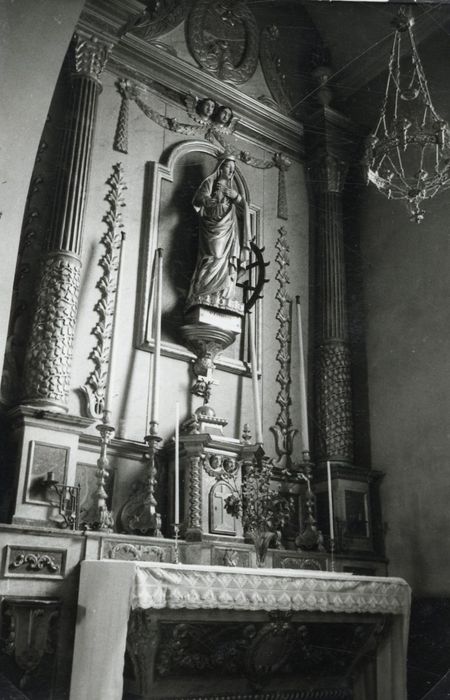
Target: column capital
x,y
332,144
327,173
90,55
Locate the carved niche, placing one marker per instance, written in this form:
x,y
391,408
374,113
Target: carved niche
x,y
170,222
223,38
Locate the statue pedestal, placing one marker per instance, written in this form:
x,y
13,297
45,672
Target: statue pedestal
x,y
208,333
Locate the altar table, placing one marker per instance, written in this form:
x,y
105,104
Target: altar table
x,y
109,590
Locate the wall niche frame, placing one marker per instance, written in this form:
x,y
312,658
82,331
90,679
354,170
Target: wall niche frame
x,y
159,223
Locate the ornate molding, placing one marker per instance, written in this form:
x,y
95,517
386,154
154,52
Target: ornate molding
x,y
35,562
95,387
156,19
136,59
270,63
29,629
49,355
210,129
126,551
89,56
299,563
223,39
283,431
260,652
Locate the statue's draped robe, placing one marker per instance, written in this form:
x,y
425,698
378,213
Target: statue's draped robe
x,y
219,245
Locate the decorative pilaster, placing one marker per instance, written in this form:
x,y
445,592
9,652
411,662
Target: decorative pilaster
x,y
49,353
330,154
194,524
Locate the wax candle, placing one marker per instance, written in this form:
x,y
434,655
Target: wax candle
x,y
112,353
330,501
154,396
177,463
255,386
302,382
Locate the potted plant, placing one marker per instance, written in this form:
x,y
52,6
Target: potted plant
x,y
262,509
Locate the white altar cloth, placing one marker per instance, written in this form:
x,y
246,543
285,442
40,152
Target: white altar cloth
x,y
110,589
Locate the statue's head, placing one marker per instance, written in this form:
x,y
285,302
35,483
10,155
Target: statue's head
x,y
227,166
223,115
206,107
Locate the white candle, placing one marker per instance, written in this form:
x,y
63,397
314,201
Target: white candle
x,y
330,501
302,382
112,354
255,386
154,397
177,463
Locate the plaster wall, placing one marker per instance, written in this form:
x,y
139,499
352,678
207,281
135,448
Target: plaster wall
x,y
407,288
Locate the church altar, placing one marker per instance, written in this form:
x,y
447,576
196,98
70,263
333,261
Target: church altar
x,y
111,590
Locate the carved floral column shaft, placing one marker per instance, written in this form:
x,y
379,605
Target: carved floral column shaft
x,y
49,352
334,417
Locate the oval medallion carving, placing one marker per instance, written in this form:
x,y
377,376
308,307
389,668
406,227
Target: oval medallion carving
x,y
223,38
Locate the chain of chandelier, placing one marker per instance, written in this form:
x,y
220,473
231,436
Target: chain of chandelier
x,y
408,155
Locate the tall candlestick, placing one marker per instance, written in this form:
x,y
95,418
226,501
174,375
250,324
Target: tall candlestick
x,y
112,354
330,502
255,386
302,381
154,396
177,463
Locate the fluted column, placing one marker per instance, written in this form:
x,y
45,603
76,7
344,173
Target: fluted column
x,y
333,391
50,347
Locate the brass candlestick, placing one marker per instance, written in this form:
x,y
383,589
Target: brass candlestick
x,y
100,518
146,520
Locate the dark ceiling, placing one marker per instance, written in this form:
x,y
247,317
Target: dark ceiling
x,y
359,36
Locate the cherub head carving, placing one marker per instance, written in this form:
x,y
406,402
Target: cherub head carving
x,y
223,115
205,108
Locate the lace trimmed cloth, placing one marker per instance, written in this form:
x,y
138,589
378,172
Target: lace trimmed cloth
x,y
201,587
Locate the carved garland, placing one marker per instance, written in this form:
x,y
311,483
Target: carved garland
x,y
35,562
205,128
95,386
282,430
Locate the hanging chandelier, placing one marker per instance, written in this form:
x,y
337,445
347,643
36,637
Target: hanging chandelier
x,y
408,154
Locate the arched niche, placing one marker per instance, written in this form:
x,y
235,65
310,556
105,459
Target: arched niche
x,y
170,222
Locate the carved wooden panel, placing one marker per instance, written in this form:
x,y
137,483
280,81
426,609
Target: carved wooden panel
x,y
230,556
134,551
34,562
286,560
43,458
28,644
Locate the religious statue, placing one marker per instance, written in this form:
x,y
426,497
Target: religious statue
x,y
224,239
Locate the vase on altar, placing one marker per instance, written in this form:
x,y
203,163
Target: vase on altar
x,y
261,540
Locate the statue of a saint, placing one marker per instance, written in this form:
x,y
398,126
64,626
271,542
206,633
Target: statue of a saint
x,y
224,239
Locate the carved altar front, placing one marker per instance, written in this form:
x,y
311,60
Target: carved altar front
x,y
198,631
